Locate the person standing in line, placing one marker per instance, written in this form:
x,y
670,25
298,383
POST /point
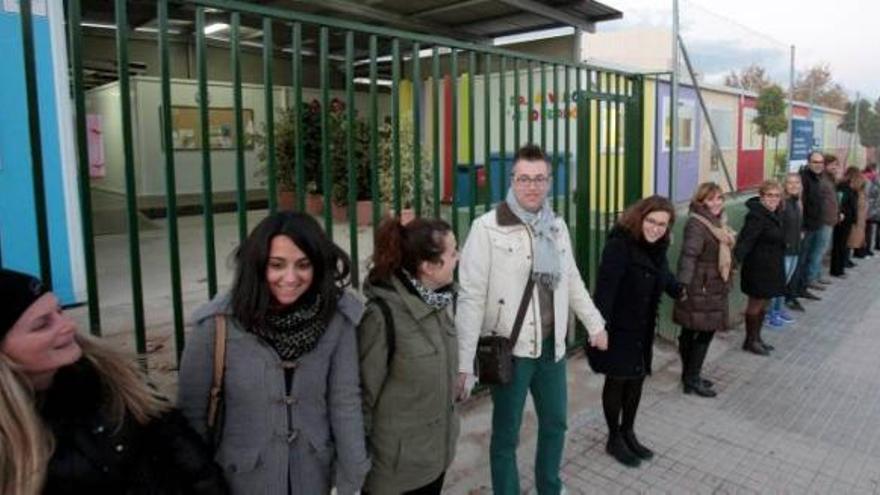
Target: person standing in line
x,y
523,239
790,211
760,251
856,240
292,417
872,230
848,201
704,267
818,201
409,358
77,416
633,274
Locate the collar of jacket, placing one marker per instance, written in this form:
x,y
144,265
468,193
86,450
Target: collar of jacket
x,y
505,216
408,297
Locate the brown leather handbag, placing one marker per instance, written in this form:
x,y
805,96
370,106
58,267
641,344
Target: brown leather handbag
x,y
215,414
495,352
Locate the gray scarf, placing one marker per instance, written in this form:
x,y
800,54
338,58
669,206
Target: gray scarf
x,y
546,269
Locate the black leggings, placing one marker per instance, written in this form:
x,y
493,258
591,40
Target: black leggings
x,y
697,336
433,488
839,249
621,395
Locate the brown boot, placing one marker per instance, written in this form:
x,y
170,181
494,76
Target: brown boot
x,y
753,326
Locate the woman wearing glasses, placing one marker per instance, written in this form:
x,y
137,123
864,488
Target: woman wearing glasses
x,y
760,250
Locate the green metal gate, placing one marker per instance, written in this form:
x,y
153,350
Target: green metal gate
x,y
607,134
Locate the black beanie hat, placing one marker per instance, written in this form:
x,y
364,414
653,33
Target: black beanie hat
x,y
17,292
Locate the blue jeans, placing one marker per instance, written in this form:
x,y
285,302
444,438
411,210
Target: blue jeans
x,y
791,263
813,248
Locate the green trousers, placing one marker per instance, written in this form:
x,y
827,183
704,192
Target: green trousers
x,y
546,380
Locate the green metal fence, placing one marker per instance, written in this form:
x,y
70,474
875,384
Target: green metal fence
x,y
605,105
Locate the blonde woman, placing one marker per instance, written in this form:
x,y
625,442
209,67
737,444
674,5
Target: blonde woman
x,y
791,212
76,416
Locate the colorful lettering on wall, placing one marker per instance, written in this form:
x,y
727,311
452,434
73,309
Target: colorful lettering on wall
x,y
551,113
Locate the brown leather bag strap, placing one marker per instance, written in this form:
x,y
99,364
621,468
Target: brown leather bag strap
x,y
521,312
216,392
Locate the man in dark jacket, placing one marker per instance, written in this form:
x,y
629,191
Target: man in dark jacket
x,y
814,243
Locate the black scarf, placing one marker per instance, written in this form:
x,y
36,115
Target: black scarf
x,y
295,331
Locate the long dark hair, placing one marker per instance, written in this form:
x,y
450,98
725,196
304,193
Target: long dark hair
x,y
407,246
250,295
632,218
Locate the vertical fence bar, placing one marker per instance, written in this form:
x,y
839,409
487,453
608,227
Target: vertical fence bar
x,y
597,181
36,144
299,146
170,179
350,160
395,123
268,55
134,251
582,194
241,180
435,128
417,127
502,127
85,193
567,161
543,109
517,114
453,139
530,89
326,184
634,143
204,132
618,149
609,163
487,128
555,121
374,136
472,159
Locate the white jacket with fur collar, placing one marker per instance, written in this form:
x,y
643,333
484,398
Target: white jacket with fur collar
x,y
495,265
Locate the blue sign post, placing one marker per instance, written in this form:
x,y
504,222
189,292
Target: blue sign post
x,y
801,143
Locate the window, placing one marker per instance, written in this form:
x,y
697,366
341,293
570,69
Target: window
x,y
752,140
724,122
686,125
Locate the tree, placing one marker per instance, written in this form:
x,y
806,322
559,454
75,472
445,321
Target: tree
x,y
817,85
869,122
752,78
771,119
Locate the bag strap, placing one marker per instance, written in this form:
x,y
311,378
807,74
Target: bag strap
x,y
390,339
523,307
219,367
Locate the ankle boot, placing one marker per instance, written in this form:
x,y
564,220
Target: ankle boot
x,y
753,323
642,452
618,449
693,383
760,341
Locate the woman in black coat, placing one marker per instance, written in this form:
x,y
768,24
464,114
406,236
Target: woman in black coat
x,y
760,251
77,417
633,273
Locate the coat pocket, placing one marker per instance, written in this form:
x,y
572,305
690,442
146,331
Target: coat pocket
x,y
239,461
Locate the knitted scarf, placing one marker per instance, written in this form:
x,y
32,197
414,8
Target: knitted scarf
x,y
293,332
546,270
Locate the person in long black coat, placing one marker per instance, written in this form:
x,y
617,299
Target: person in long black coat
x,y
760,251
633,274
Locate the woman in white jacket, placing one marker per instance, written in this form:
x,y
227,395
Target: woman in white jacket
x,y
519,240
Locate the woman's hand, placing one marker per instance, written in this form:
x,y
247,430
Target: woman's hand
x,y
463,386
599,341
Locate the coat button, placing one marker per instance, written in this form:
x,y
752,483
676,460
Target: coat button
x,y
99,429
119,448
290,401
291,435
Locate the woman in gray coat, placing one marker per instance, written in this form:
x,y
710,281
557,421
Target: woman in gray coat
x,y
292,420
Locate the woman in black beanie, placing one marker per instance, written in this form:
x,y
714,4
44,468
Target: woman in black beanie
x,y
77,415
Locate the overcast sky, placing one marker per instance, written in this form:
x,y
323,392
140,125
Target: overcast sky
x,y
724,34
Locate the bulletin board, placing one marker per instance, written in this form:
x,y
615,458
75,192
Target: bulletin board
x,y
186,134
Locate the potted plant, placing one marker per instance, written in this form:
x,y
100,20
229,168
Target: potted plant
x,y
407,170
339,152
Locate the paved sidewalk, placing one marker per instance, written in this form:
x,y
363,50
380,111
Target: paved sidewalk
x,y
804,420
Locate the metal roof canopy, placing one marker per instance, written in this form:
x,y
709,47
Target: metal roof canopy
x,y
468,20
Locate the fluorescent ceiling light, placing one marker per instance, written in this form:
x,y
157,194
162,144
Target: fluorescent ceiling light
x,y
533,36
216,27
379,82
98,25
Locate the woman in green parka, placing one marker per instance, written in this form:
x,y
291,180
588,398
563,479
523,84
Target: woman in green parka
x,y
409,358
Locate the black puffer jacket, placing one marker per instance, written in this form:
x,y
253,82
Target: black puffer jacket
x,y
760,251
95,456
812,200
632,276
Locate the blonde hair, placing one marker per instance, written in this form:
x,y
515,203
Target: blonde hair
x,y
769,185
26,443
790,175
705,191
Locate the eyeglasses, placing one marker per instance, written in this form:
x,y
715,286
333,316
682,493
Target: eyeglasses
x,y
818,162
525,180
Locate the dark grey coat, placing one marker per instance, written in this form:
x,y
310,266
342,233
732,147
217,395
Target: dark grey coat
x,y
271,441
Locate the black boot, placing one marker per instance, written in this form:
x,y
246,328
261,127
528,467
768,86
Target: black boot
x,y
753,323
760,341
617,448
642,452
693,383
685,338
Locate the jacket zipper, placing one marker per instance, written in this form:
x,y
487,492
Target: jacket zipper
x,y
534,310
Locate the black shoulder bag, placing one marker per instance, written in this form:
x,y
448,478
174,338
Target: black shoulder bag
x,y
495,352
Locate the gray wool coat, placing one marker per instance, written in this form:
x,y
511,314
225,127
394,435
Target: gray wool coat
x,y
273,442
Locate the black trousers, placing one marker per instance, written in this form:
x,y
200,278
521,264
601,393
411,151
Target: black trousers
x,y
432,488
839,250
620,402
